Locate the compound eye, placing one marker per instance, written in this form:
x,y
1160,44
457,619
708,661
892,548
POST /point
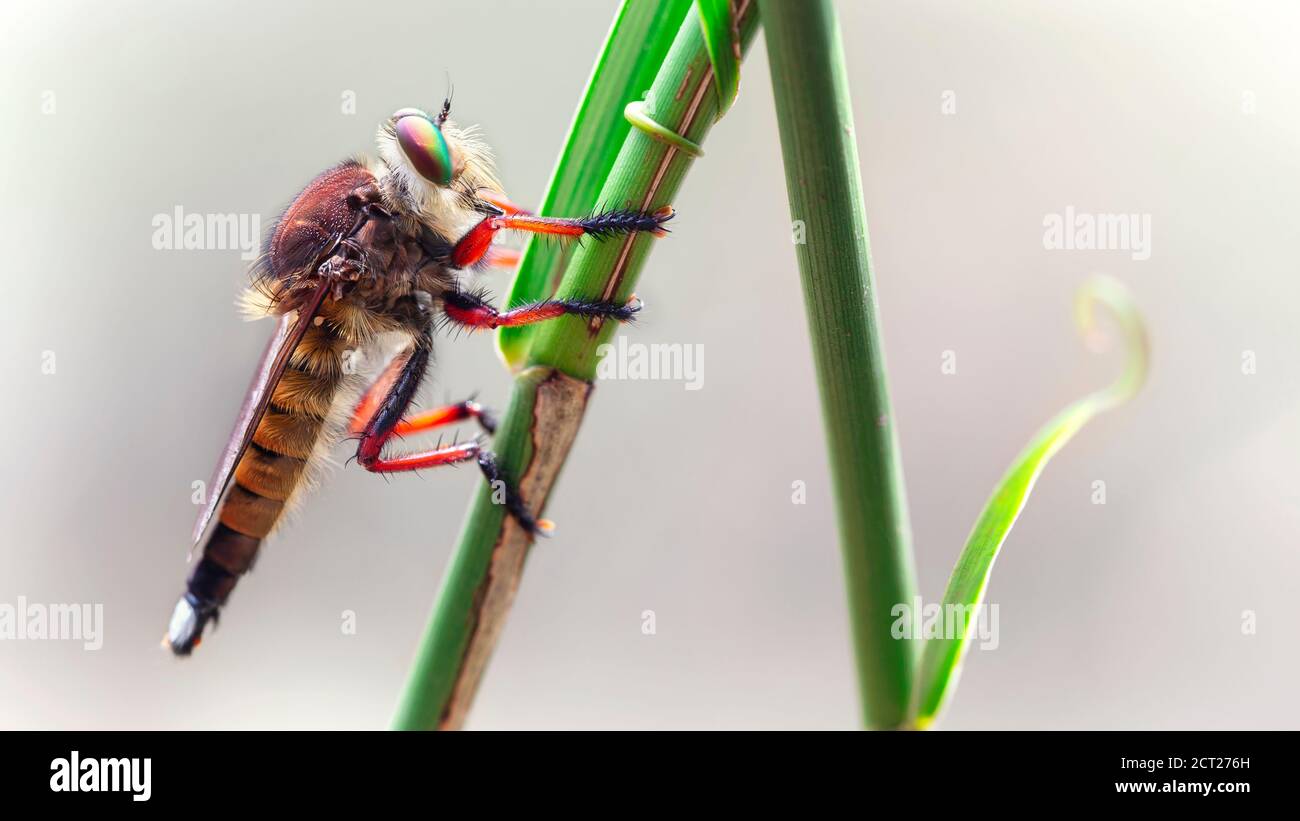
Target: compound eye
x,y
423,144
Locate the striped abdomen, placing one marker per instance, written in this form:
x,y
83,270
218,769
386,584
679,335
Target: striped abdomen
x,y
275,464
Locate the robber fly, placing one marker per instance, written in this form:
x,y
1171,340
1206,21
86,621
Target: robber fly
x,y
368,259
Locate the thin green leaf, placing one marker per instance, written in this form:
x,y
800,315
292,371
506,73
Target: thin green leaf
x,y
722,40
941,664
647,175
635,48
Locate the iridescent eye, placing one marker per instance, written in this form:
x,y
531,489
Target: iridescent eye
x,y
423,144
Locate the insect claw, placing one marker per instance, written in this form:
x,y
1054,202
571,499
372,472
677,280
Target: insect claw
x,y
661,216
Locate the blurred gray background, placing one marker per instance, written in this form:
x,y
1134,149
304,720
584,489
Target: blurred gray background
x,y
1127,614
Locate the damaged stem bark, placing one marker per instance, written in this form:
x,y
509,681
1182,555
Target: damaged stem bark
x,y
558,406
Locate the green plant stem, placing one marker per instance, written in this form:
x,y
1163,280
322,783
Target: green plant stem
x,y
825,189
550,396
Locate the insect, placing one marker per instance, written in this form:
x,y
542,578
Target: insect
x,y
366,263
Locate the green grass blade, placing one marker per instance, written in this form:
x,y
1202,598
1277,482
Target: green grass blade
x,y
636,46
550,396
941,664
723,43
648,173
824,187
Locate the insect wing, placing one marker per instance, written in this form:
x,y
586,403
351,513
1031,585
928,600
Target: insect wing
x,y
288,334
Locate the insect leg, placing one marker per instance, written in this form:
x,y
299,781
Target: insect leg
x,y
374,396
378,391
448,415
452,455
500,201
471,248
502,257
388,401
473,311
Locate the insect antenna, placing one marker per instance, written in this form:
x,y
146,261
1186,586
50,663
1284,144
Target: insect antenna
x,y
446,103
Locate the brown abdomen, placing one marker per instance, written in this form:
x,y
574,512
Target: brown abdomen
x,y
276,460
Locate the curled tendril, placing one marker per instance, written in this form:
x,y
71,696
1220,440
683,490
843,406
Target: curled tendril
x,y
1111,295
720,28
635,114
941,661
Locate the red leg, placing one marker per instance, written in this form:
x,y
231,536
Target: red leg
x,y
502,257
447,415
369,457
368,454
379,417
473,311
471,248
375,395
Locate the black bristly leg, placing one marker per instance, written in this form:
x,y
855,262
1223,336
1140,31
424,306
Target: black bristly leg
x,y
487,462
379,418
472,310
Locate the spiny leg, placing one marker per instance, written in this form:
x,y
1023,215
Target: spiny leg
x,y
472,310
472,247
448,415
375,395
487,463
454,455
387,401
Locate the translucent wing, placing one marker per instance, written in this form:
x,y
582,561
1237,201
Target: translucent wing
x,y
281,347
